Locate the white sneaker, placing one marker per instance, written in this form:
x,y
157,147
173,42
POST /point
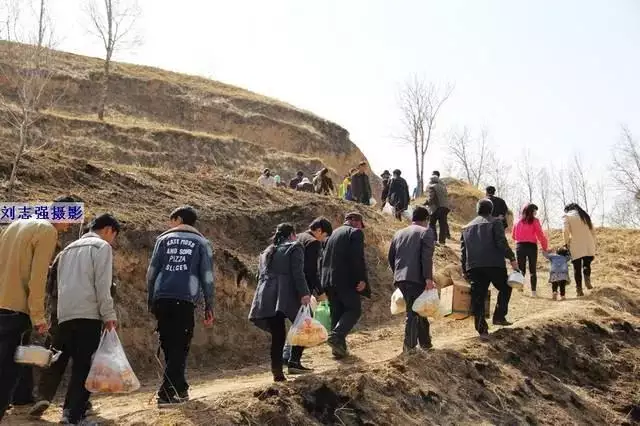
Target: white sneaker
x,y
533,294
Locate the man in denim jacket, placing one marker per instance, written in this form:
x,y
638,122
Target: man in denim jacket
x,y
181,270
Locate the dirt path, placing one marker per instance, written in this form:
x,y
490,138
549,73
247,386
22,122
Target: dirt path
x,y
371,347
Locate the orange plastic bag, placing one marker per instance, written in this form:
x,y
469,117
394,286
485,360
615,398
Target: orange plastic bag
x,y
307,331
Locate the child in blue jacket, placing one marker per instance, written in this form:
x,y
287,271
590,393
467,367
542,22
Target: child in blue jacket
x,y
559,271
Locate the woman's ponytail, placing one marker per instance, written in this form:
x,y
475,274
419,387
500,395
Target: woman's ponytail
x,y
282,235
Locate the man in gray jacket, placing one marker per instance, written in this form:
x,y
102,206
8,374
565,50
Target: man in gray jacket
x,y
85,305
484,248
438,204
411,260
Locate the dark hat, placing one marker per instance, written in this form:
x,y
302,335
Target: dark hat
x,y
300,173
385,173
265,171
355,216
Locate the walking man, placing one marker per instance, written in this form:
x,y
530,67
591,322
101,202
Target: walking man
x,y
484,247
398,194
438,204
360,185
26,249
411,260
311,240
181,269
500,209
293,183
345,280
85,305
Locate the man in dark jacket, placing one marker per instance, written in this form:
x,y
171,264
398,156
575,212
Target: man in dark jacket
x,y
360,185
399,194
411,260
500,209
484,247
181,269
311,240
386,180
344,279
293,183
438,204
322,183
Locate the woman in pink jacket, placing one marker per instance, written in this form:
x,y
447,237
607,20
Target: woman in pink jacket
x,y
526,233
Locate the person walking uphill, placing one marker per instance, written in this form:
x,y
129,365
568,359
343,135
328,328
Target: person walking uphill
x,y
322,183
344,279
438,205
398,194
411,260
580,238
500,209
85,305
266,180
293,183
526,233
180,271
484,247
26,248
386,180
311,240
281,290
360,185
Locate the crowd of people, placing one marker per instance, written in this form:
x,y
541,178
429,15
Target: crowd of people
x,y
71,300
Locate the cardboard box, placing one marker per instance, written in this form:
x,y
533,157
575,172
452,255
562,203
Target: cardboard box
x,y
455,301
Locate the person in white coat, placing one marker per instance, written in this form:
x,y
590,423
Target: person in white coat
x,y
579,237
267,180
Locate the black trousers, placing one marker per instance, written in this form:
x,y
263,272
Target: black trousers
x,y
480,279
528,253
440,217
559,285
78,340
582,266
12,327
346,309
49,381
278,330
416,329
175,327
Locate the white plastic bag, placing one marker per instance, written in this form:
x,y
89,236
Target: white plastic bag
x,y
516,280
306,331
408,213
427,304
388,209
110,369
398,304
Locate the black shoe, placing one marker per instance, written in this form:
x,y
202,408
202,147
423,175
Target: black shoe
x,y
39,408
579,292
171,402
297,368
587,283
338,347
427,347
502,322
484,337
278,375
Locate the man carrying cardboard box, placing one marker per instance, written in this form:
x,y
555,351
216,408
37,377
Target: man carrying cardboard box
x,y
484,247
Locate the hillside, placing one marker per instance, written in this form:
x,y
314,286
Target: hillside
x,y
171,139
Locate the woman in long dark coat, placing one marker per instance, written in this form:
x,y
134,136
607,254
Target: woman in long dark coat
x,y
281,290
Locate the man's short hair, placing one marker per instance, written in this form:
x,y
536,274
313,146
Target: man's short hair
x,y
435,173
65,199
484,207
491,190
104,221
362,163
397,172
300,173
420,214
323,224
186,213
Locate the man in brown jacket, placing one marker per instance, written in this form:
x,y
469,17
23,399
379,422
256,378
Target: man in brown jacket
x,y
26,249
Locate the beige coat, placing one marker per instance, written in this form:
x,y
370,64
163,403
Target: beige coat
x,y
577,235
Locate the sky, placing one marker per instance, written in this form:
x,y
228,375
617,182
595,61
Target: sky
x,y
555,77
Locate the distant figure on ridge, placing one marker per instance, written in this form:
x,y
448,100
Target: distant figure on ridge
x,y
500,209
305,186
360,185
293,183
322,183
266,180
438,205
398,196
386,179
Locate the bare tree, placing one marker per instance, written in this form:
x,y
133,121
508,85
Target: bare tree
x,y
544,193
625,214
528,175
10,16
626,164
113,22
420,104
582,190
29,75
562,190
471,160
